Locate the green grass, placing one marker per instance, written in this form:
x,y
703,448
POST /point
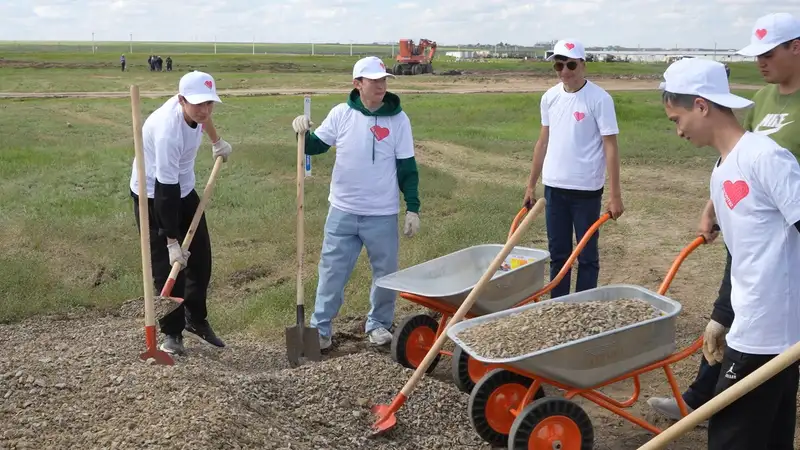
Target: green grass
x,y
67,235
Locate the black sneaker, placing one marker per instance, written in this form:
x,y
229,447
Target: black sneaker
x,y
173,345
203,329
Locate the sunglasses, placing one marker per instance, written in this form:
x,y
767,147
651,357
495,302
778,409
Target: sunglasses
x,y
559,66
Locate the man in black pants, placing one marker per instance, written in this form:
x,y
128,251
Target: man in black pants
x,y
171,137
776,113
755,198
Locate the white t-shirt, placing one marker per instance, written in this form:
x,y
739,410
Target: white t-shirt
x,y
170,148
575,158
756,196
360,185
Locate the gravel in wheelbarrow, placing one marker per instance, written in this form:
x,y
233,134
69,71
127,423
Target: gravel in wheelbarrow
x,y
579,340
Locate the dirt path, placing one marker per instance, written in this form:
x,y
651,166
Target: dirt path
x,y
529,85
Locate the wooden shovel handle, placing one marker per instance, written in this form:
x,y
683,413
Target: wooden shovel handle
x,y
187,240
473,295
301,175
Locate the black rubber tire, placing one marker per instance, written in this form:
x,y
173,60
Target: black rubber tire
x,y
539,410
401,336
479,397
459,370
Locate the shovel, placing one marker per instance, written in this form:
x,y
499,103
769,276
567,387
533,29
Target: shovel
x,y
187,240
386,418
301,341
152,352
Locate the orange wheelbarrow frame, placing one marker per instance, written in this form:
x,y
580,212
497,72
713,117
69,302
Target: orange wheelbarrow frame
x,y
516,409
426,330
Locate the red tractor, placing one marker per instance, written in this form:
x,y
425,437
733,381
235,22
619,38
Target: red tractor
x,y
414,60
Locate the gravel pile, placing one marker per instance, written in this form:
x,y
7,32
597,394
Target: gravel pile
x,y
134,308
78,383
553,324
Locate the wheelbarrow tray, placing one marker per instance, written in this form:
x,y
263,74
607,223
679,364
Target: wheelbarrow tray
x,y
596,359
450,278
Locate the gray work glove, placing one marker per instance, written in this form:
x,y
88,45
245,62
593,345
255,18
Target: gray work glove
x,y
177,254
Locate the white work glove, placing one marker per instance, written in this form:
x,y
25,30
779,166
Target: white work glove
x,y
301,124
177,254
714,342
412,224
221,148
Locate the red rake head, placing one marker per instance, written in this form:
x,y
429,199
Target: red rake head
x,y
159,357
386,419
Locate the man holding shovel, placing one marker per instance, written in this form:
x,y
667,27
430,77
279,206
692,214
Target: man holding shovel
x,y
171,136
755,196
374,163
775,42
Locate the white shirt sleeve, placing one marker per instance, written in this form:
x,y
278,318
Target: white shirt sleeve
x,y
778,173
606,115
405,139
168,143
328,130
544,105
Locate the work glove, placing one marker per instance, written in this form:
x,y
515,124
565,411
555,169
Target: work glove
x,y
412,224
714,342
221,148
301,124
177,254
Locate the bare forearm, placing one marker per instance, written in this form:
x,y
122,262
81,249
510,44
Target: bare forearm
x,y
709,212
211,130
539,151
612,166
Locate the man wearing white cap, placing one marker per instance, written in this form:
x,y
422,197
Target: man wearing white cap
x,y
755,196
775,43
171,137
577,144
374,163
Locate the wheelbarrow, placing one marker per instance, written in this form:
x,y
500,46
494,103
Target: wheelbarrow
x,y
442,284
508,406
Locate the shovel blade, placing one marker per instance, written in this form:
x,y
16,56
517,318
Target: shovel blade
x,y
311,344
302,343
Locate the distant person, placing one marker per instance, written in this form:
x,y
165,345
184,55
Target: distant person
x,y
728,70
374,163
577,145
171,136
122,62
776,114
169,64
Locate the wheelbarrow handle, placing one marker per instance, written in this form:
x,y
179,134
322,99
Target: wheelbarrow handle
x,y
524,210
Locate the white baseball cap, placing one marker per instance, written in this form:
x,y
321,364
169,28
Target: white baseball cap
x,y
370,67
770,31
704,78
198,87
570,48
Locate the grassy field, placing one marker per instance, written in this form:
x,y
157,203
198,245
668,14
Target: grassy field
x,y
67,236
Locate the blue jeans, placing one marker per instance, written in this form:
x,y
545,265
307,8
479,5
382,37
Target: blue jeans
x,y
566,211
344,236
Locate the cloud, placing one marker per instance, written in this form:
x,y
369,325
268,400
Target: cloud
x,y
648,23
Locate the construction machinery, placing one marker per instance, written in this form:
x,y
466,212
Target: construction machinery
x,y
414,59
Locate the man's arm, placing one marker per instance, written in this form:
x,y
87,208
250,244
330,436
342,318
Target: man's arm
x,y
211,131
167,195
611,149
539,152
723,312
606,119
325,136
407,173
778,173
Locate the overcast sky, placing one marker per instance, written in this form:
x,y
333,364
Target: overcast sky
x,y
663,23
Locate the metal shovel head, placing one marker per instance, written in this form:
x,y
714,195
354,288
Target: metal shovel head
x,y
302,342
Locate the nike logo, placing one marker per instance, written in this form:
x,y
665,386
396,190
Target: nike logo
x,y
771,123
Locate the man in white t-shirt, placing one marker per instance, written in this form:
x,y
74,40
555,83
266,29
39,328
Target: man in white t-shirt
x,y
577,144
374,163
755,192
171,136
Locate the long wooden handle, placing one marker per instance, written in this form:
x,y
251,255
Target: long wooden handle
x,y
725,398
144,218
473,295
187,240
301,174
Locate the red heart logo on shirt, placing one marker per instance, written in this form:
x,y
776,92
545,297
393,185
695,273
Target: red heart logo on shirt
x,y
379,132
579,115
760,33
734,192
209,84
569,45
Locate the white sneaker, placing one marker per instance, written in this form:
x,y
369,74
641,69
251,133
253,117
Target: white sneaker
x,y
380,336
324,342
668,407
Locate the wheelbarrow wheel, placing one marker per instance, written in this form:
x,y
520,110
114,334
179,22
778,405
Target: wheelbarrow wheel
x,y
552,423
413,337
466,370
491,401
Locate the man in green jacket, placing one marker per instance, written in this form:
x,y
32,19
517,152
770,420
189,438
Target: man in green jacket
x,y
775,42
374,163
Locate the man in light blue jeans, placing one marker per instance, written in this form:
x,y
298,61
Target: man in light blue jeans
x,y
374,163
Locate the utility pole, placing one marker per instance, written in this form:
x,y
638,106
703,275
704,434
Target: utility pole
x,y
93,42
254,44
131,49
215,44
